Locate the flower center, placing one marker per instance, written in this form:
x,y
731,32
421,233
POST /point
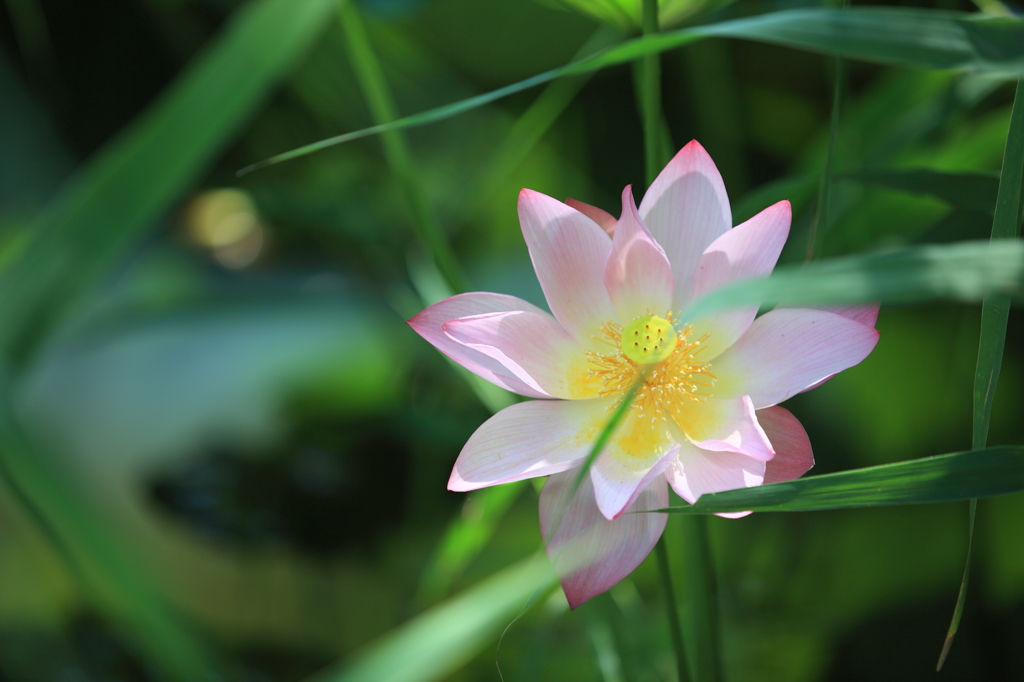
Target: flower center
x,y
648,340
673,375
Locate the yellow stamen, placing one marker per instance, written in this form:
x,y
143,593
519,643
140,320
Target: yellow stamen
x,y
673,376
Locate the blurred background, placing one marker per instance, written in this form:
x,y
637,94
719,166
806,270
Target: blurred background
x,y
224,449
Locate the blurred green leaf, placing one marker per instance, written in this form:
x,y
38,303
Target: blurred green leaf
x,y
102,563
966,271
943,478
466,536
626,13
921,38
968,191
437,642
139,175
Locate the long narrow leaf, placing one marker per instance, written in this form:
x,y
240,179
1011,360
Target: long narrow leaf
x,y
969,191
995,312
920,38
943,478
437,642
137,177
966,271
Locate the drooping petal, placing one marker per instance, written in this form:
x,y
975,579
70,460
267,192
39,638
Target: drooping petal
x,y
640,449
525,440
428,324
724,426
686,208
793,456
569,253
530,346
748,250
592,554
696,471
787,350
603,218
638,275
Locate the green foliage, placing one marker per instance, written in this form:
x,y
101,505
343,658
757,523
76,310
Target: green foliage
x,y
131,354
931,480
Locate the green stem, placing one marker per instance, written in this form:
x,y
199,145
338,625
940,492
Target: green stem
x,y
649,72
700,616
700,613
995,311
396,149
671,610
816,240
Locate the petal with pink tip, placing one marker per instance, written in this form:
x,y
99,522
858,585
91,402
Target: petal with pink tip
x,y
696,471
638,451
605,220
686,208
724,426
787,350
865,314
530,346
748,250
638,275
569,252
428,324
535,438
793,456
592,554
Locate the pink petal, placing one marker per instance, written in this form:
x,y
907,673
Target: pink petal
x,y
787,350
569,252
747,250
535,438
640,449
592,554
428,324
725,426
603,218
793,456
638,275
696,471
530,346
686,208
865,314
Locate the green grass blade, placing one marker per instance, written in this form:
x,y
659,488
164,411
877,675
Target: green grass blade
x,y
816,241
965,271
995,312
396,149
968,191
943,478
437,642
466,537
919,38
140,174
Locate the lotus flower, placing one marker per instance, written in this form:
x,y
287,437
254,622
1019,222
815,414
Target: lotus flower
x,y
705,418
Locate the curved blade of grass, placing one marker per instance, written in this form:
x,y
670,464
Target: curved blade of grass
x,y
943,478
466,536
968,191
136,178
437,642
965,271
396,150
995,311
919,38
